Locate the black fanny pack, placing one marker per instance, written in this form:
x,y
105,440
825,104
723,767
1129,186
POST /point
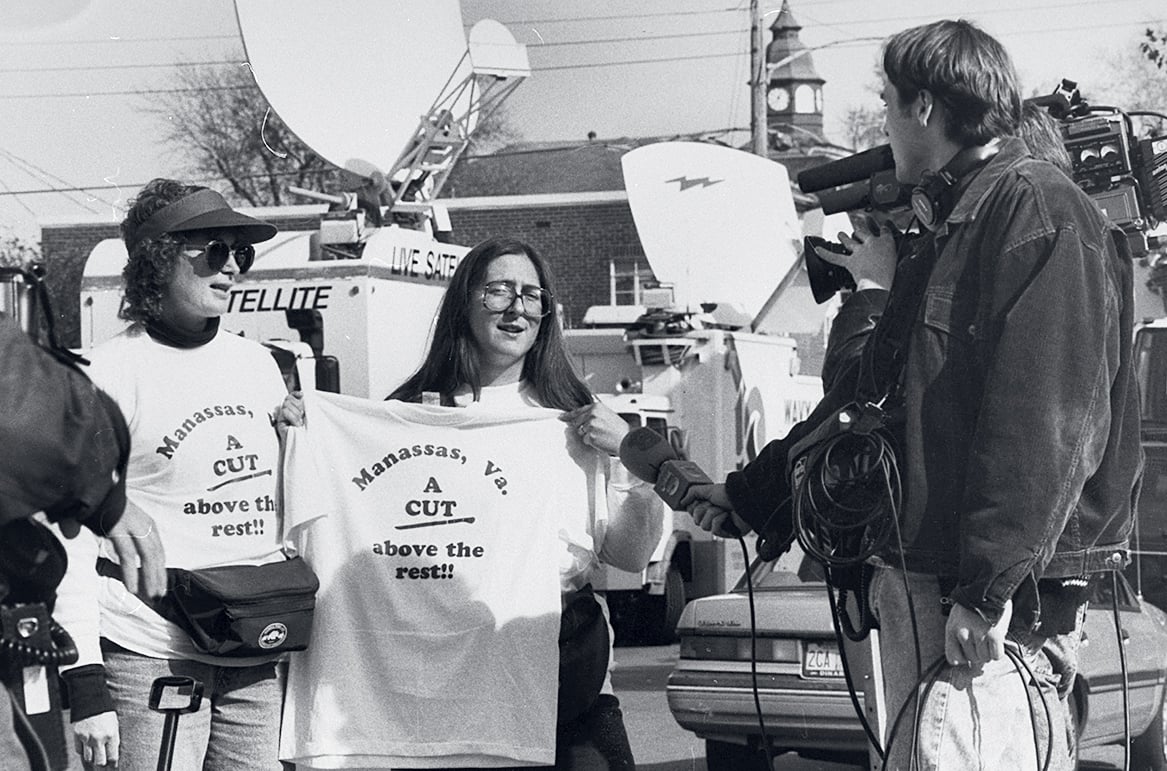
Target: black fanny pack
x,y
239,610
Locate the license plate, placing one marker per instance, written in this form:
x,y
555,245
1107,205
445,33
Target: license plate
x,y
821,660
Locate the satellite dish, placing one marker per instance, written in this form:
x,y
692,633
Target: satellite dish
x,y
493,51
719,224
352,78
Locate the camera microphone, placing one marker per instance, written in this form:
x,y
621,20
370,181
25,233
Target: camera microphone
x,y
648,456
853,168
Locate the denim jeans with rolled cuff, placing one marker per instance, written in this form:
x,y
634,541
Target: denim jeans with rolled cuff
x,y
990,717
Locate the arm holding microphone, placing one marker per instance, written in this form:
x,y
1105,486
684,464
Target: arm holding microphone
x,y
681,484
757,497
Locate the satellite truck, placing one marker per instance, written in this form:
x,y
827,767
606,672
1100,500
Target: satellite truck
x,y
720,231
349,307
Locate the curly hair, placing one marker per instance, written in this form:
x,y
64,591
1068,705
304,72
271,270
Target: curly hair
x,y
151,262
452,360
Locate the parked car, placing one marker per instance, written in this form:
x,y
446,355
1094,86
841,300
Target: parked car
x,y
804,698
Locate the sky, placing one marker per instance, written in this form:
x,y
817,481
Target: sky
x,y
76,74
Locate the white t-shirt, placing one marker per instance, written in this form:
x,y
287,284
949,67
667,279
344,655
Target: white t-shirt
x,y
581,531
435,534
204,464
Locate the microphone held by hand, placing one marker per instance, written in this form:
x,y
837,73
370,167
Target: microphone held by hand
x,y
649,456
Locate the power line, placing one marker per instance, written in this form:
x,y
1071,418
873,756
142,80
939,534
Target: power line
x,y
137,185
585,65
623,62
8,191
981,12
864,23
138,92
504,154
578,65
619,17
118,40
44,176
86,68
636,39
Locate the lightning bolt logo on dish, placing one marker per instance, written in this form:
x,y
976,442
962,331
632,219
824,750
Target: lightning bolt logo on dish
x,y
687,183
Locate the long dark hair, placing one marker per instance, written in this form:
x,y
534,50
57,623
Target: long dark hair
x,y
452,360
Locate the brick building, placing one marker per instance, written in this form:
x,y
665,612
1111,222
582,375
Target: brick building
x,y
566,199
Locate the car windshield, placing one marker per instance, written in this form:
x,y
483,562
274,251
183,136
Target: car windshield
x,y
793,570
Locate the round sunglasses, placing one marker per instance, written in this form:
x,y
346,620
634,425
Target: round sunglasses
x,y
218,252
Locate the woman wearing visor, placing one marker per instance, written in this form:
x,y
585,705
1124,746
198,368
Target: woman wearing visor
x,y
497,344
199,402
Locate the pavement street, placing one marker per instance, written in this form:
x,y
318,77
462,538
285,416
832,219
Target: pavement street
x,y
659,744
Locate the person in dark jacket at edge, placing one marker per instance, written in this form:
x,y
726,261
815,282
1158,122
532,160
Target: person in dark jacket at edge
x,y
63,451
1003,353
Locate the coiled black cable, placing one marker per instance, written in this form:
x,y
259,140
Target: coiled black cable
x,y
845,498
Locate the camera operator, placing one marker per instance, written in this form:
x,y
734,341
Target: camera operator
x,y
63,451
1001,365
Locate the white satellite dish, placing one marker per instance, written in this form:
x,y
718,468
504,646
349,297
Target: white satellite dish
x,y
352,78
719,224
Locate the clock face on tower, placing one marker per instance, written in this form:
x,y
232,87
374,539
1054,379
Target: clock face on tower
x,y
778,98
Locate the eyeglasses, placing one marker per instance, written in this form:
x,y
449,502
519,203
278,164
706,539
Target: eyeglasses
x,y
218,252
498,296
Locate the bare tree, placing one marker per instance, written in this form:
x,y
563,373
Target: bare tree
x,y
17,252
863,127
219,123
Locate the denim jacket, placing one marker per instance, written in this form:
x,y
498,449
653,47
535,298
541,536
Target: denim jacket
x,y
1020,447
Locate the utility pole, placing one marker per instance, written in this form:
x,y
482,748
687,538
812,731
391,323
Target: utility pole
x,y
760,143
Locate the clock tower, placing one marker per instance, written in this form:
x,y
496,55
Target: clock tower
x,y
794,92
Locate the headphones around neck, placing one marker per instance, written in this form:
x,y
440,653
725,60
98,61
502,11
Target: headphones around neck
x,y
930,198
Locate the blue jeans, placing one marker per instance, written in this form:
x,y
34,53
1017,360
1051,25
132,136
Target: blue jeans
x,y
236,728
991,717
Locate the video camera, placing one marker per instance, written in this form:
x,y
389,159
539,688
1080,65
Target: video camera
x,y
1126,176
865,180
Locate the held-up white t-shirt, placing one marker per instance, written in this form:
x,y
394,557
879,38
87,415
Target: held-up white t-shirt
x,y
435,534
204,464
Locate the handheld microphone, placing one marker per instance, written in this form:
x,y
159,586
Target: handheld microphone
x,y
879,191
844,171
649,456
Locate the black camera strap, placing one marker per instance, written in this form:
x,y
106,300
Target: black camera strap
x,y
885,355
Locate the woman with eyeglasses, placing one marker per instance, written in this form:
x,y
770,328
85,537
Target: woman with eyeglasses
x,y
199,402
497,343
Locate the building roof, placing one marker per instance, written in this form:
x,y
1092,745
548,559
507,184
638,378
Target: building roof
x,y
788,47
590,166
533,168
